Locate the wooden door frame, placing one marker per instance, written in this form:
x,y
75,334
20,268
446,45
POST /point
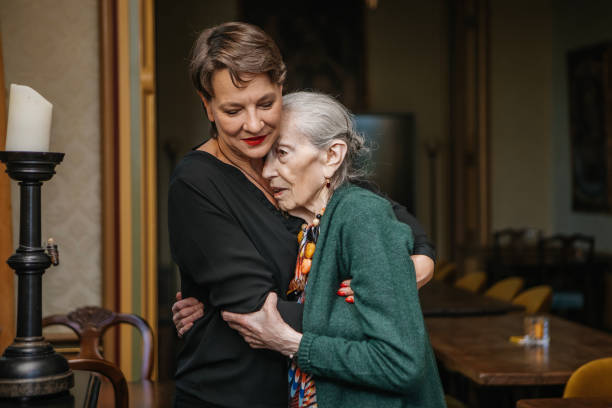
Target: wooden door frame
x,y
470,211
128,171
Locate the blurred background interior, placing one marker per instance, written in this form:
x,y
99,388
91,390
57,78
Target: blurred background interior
x,y
491,121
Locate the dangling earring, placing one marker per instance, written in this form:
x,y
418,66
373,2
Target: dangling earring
x,y
327,182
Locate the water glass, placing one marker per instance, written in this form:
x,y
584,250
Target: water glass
x,y
536,330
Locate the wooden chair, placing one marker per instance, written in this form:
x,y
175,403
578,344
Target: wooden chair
x,y
473,281
90,323
535,300
510,243
574,248
591,380
445,271
110,371
506,289
514,248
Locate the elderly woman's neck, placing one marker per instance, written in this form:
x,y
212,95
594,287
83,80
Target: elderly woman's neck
x,y
315,206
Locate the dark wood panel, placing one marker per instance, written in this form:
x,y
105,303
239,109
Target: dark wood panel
x,y
479,348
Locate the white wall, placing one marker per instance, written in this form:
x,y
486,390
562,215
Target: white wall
x,y
521,108
52,46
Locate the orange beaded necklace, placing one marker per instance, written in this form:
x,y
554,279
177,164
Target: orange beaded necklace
x,y
307,238
301,385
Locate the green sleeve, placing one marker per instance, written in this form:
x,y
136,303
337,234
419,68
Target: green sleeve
x,y
376,250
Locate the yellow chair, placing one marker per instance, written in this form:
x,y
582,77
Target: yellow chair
x,y
535,300
444,271
506,289
473,281
593,379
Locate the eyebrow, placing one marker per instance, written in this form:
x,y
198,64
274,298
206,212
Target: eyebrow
x,y
281,144
230,104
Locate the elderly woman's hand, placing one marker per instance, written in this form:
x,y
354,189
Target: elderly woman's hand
x,y
185,312
265,328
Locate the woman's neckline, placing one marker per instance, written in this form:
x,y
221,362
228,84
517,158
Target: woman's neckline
x,y
252,179
244,179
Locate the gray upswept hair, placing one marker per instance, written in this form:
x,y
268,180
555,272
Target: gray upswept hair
x,y
322,119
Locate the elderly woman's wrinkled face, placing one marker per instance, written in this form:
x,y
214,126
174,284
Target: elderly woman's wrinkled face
x,y
295,170
247,117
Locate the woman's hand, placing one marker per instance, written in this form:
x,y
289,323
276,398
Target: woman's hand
x,y
423,267
265,328
346,291
185,312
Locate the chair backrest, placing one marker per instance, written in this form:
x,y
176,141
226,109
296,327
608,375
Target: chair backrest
x,y
445,271
506,289
512,245
593,379
473,281
511,237
90,323
535,300
110,371
575,248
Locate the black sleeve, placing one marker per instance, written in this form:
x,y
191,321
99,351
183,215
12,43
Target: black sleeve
x,y
422,246
214,254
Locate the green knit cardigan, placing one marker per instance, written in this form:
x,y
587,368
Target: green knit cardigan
x,y
375,353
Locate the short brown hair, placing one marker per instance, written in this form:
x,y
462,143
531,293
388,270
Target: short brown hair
x,y
241,48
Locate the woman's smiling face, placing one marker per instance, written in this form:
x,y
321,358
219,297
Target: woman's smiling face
x,y
295,170
247,117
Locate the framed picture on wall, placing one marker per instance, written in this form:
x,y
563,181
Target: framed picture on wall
x,y
590,99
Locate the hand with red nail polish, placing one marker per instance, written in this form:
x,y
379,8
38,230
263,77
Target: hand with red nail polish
x,y
346,291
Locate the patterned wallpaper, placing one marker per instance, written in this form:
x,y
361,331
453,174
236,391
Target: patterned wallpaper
x,y
52,46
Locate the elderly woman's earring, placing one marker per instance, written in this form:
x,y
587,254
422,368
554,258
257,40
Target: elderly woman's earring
x,y
327,182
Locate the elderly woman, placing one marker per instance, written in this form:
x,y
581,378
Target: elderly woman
x,y
374,353
231,242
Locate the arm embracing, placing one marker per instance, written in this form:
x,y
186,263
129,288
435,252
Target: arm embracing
x,y
376,252
213,251
423,255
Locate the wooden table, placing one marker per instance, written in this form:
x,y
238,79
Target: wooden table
x,y
440,299
479,349
565,403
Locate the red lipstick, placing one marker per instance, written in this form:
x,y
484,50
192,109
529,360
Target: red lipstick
x,y
254,141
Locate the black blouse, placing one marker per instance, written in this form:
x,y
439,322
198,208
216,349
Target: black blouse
x,y
233,247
